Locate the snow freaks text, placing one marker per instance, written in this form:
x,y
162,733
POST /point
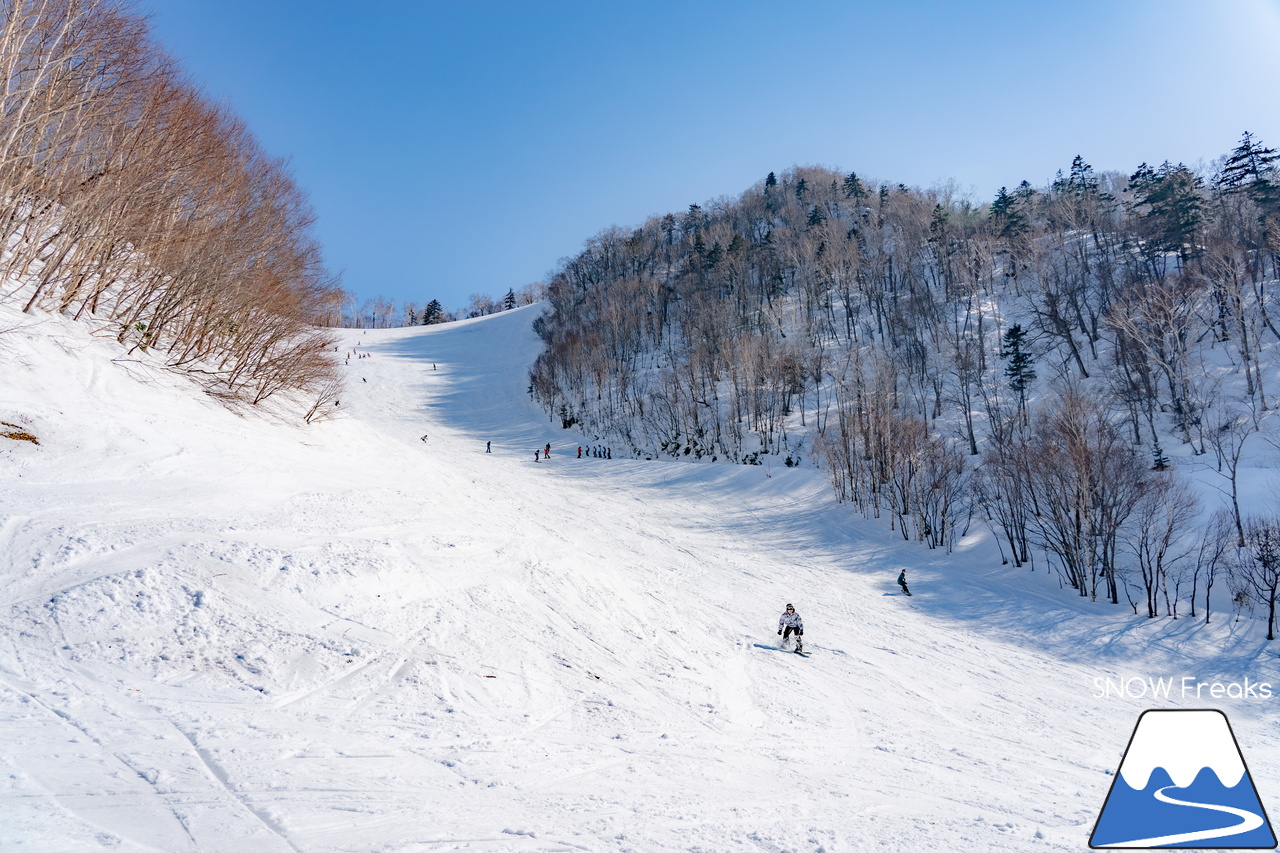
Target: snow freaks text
x,y
1186,687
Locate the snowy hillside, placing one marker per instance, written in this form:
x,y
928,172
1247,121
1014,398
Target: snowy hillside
x,y
226,633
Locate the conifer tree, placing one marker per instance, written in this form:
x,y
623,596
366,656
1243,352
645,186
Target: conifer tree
x,y
509,301
1174,206
1010,221
1020,370
669,228
431,314
714,255
770,196
1250,169
853,187
1003,205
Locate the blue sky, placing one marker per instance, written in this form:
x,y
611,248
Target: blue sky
x,y
466,147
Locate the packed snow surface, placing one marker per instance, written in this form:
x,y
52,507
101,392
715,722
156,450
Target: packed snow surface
x,y
223,631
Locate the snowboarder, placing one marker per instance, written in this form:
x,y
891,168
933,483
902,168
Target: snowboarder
x,y
537,455
902,581
488,447
790,621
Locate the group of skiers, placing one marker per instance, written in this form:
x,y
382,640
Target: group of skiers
x,y
599,451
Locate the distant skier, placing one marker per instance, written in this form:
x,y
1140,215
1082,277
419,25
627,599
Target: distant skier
x,y
902,581
488,447
546,453
537,455
790,621
579,451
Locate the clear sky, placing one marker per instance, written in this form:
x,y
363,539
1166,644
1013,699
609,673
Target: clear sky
x,y
452,148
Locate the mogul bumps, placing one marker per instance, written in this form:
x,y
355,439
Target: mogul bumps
x,y
1187,687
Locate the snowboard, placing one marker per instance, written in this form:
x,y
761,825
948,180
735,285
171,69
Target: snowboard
x,y
779,649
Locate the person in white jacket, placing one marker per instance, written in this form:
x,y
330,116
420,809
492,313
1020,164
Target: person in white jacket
x,y
789,622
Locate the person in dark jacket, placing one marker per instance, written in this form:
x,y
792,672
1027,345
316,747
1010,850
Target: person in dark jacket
x,y
789,622
902,581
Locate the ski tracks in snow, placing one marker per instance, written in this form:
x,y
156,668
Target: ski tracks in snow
x,y
145,760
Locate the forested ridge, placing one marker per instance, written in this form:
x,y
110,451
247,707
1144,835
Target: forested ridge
x,y
1028,364
128,198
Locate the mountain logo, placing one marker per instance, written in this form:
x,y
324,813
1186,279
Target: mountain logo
x,y
1183,784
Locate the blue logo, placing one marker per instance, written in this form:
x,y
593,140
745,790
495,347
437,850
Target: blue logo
x,y
1183,784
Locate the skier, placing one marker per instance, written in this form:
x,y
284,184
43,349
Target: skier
x,y
791,621
579,451
536,456
902,581
488,447
546,454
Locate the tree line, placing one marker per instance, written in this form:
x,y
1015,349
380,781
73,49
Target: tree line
x,y
380,312
128,197
1025,364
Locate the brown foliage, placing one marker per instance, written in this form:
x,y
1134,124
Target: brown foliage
x,y
126,196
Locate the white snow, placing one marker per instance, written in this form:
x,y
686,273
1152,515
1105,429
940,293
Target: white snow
x,y
225,632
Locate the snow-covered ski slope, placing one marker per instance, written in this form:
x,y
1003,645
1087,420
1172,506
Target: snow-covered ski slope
x,y
227,633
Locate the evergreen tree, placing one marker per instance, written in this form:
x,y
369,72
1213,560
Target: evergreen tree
x,y
1020,370
1081,182
770,196
1003,205
853,187
509,301
695,219
1008,218
1250,161
1250,169
714,255
802,187
815,217
938,226
1173,217
1081,202
1159,461
669,229
432,313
